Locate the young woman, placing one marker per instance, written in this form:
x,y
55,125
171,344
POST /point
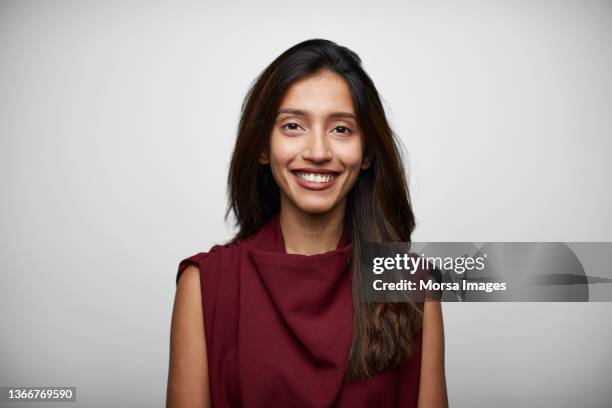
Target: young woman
x,y
276,317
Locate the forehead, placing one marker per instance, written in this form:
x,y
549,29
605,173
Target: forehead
x,y
319,93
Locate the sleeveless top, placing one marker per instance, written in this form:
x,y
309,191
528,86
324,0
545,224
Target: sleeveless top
x,y
278,328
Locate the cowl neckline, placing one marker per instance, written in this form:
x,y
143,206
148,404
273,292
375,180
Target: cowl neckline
x,y
295,322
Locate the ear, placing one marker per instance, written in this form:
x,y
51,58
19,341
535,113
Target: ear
x,y
365,164
263,158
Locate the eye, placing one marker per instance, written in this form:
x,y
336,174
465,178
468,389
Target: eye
x,y
344,129
291,126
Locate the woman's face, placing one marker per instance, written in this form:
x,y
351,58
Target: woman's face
x,y
316,148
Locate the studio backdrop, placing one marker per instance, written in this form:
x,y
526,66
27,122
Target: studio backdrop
x,y
117,121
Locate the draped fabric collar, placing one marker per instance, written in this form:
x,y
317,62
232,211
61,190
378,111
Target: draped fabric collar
x,y
295,324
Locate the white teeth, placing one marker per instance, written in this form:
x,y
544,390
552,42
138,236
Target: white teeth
x,y
316,177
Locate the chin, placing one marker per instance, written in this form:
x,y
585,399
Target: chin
x,y
315,208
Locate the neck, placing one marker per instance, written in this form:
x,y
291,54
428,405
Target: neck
x,y
311,234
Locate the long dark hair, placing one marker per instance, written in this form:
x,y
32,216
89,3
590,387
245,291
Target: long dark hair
x,y
378,207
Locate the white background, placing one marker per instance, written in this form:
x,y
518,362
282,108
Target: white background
x,y
117,121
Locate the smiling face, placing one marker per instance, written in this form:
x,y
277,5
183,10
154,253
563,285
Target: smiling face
x,y
316,147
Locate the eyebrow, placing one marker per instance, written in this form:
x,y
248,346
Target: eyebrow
x,y
300,112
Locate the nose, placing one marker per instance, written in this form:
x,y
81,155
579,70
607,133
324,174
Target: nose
x,y
317,148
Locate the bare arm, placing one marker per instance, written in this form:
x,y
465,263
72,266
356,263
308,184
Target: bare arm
x,y
188,369
432,391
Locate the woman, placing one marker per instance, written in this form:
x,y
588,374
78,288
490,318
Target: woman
x,y
276,317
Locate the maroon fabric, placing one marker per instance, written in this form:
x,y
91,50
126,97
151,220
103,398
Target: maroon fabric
x,y
278,328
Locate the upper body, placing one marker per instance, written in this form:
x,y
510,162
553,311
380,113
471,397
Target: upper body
x,y
278,330
275,317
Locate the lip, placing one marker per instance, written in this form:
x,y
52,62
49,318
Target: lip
x,y
318,170
313,185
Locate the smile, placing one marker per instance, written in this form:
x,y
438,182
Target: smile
x,y
312,180
316,178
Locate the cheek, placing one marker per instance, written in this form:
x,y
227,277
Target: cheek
x,y
278,150
351,154
282,151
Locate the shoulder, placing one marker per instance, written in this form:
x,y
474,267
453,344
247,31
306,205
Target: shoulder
x,y
207,264
206,281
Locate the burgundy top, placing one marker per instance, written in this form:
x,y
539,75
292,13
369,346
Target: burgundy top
x,y
278,328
